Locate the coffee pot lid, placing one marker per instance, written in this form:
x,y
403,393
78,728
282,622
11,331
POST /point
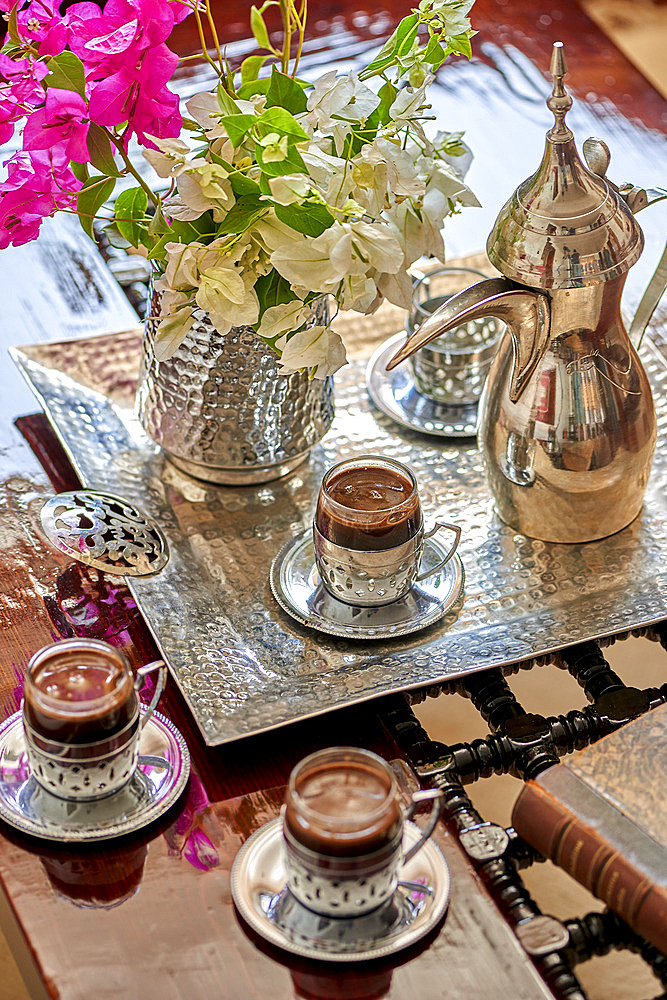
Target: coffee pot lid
x,y
566,226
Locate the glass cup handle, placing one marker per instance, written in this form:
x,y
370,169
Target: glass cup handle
x,y
455,544
433,795
142,673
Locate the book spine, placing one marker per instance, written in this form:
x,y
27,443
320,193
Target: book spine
x,y
582,851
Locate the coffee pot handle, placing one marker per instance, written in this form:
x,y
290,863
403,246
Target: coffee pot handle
x,y
142,673
433,795
443,562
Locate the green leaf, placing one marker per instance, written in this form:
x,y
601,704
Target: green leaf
x,y
80,170
157,251
243,185
311,219
284,92
91,197
191,125
253,87
272,290
101,154
226,102
158,226
258,28
243,215
12,26
280,121
396,45
434,54
460,44
11,49
250,68
187,232
237,127
292,164
129,209
66,72
387,94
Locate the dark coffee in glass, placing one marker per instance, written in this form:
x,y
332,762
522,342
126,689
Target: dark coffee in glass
x,y
343,803
369,504
79,692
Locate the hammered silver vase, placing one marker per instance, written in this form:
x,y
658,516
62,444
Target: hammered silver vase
x,y
221,410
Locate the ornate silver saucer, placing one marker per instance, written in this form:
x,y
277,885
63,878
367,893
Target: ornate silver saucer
x,y
258,889
297,589
396,394
164,766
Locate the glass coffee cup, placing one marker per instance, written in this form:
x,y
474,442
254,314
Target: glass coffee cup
x,y
343,831
81,718
369,533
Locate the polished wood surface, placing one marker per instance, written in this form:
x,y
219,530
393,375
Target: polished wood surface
x,y
151,915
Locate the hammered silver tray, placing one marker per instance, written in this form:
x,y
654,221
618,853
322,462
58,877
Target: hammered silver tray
x,y
243,665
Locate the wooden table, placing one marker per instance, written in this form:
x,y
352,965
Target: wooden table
x,y
151,915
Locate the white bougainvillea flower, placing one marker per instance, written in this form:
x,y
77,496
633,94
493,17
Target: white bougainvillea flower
x,y
316,262
225,297
341,96
175,208
452,15
289,188
182,272
271,233
360,293
176,319
202,189
321,164
450,183
205,110
376,244
328,97
409,102
283,318
453,150
274,147
169,159
397,288
318,348
384,173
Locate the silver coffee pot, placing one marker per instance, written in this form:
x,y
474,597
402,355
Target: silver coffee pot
x,y
567,426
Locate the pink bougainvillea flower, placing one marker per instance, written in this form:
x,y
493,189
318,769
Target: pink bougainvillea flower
x,y
41,23
20,91
137,94
200,851
36,187
62,123
121,32
181,9
127,63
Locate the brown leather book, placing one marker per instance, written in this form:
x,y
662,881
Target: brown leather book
x,y
602,816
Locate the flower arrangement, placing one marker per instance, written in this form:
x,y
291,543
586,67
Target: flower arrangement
x,y
275,190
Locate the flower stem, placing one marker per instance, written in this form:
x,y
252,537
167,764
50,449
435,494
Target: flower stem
x,y
204,47
301,21
211,24
156,200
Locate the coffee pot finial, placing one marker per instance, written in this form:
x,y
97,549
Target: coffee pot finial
x,y
559,101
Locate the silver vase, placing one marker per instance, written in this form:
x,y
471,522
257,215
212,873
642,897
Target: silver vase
x,y
220,409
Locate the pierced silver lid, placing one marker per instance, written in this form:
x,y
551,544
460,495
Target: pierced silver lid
x,y
105,531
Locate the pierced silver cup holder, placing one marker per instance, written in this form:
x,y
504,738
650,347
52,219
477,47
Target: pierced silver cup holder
x,y
106,532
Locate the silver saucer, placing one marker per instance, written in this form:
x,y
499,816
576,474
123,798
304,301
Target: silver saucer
x,y
164,766
296,587
258,889
396,395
